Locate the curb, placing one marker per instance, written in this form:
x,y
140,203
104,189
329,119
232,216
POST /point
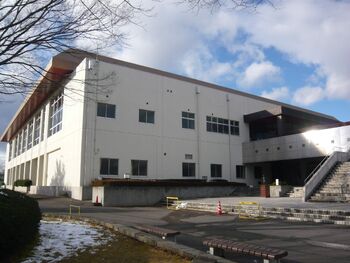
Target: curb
x,y
197,256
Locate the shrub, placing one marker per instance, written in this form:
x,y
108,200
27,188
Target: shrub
x,y
19,221
25,182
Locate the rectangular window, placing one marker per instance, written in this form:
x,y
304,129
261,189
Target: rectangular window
x,y
19,144
108,166
146,116
234,127
15,147
218,125
10,150
215,170
188,156
30,135
24,145
43,126
56,110
240,171
139,167
37,129
188,169
106,110
187,120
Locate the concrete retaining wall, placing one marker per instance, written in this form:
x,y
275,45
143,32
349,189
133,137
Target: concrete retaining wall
x,y
279,190
75,192
151,195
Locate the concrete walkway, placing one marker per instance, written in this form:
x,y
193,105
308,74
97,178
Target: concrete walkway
x,y
305,242
284,202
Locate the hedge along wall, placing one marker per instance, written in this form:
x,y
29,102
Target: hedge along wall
x,y
19,221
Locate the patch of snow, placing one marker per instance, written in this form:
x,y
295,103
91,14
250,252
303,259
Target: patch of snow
x,y
182,205
64,239
2,193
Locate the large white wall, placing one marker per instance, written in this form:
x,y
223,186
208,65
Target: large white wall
x,y
165,143
56,160
313,143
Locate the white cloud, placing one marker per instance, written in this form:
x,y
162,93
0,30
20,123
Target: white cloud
x,y
308,95
259,73
202,65
281,93
309,32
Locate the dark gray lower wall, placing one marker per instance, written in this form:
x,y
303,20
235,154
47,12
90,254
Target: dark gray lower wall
x,y
75,192
151,195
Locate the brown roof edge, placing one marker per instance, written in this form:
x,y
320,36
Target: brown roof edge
x,y
34,99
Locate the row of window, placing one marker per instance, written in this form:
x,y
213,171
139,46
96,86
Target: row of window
x,y
33,132
214,124
220,125
139,168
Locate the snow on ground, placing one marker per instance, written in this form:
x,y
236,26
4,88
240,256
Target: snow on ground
x,y
2,193
64,239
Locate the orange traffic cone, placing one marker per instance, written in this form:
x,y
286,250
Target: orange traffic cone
x,y
96,202
218,209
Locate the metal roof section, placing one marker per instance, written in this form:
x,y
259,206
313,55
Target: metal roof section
x,y
283,110
65,63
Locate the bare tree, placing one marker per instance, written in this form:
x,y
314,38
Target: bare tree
x,y
214,5
31,30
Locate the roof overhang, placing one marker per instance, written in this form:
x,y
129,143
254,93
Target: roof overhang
x,y
58,69
286,111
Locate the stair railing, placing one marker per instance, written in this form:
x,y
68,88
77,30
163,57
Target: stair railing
x,y
320,174
316,169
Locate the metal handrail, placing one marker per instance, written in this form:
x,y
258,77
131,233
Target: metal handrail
x,y
316,168
347,149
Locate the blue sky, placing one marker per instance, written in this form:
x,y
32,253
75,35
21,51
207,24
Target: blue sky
x,y
296,52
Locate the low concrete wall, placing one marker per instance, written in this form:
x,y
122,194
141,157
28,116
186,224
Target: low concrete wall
x,y
279,190
75,192
151,195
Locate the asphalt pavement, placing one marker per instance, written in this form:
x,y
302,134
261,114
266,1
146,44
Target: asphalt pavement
x,y
305,242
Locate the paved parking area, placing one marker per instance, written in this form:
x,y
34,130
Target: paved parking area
x,y
305,242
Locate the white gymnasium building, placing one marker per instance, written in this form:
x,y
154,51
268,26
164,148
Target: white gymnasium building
x,y
92,116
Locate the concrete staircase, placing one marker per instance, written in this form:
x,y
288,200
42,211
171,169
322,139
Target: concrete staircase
x,y
295,192
324,216
336,186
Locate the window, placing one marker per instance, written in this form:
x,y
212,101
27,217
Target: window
x,y
109,166
146,116
240,171
42,126
258,172
56,110
19,144
106,110
10,150
220,125
188,169
24,145
187,120
188,156
139,167
37,129
30,135
15,147
234,127
215,170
